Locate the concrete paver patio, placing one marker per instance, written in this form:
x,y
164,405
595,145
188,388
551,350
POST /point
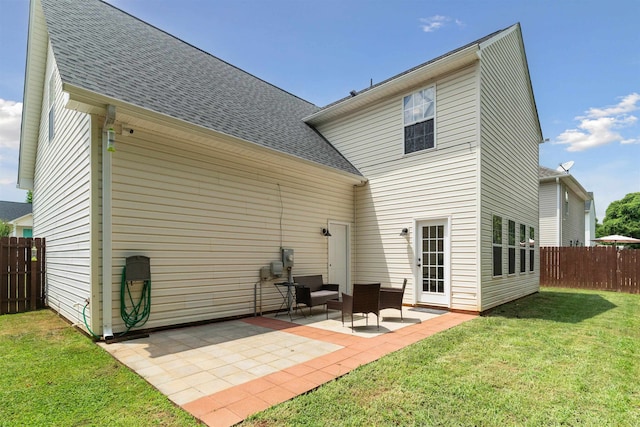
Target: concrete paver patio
x,y
224,372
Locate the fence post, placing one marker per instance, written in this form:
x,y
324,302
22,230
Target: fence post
x,y
33,298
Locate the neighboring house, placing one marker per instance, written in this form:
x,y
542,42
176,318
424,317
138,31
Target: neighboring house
x,y
215,170
590,220
19,216
567,210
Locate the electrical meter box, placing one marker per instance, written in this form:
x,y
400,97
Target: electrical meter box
x,y
287,258
276,268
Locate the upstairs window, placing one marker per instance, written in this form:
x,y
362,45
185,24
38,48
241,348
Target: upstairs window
x,y
419,113
51,99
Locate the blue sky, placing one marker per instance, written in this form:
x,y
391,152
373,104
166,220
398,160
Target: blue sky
x,y
584,60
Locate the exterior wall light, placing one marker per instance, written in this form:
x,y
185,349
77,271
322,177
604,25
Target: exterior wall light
x,y
325,232
404,232
111,140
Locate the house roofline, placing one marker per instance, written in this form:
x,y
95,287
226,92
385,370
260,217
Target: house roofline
x,y
407,80
90,102
571,182
399,84
35,69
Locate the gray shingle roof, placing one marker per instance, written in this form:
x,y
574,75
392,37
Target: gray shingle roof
x,y
544,172
12,210
105,50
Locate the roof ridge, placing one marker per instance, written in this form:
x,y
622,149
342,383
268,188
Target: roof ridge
x,y
160,72
205,52
437,58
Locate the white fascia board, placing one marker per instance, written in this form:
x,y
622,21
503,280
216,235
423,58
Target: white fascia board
x,y
24,220
397,85
569,181
94,103
35,68
499,36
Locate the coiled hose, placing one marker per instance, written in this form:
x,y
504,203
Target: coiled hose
x,y
134,313
133,317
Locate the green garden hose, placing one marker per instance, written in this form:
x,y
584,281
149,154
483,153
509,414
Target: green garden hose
x,y
138,313
84,316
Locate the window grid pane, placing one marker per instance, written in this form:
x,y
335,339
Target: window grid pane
x,y
418,115
433,259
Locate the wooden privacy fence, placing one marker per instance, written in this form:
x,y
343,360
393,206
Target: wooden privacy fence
x,y
21,274
598,267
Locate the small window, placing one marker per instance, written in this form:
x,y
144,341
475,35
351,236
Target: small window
x,y
512,247
497,245
523,248
51,98
566,203
531,248
419,114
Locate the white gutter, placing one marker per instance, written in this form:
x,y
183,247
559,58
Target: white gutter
x,y
559,210
107,262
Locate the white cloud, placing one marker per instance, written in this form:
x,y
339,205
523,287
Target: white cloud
x,y
10,116
601,126
627,105
435,22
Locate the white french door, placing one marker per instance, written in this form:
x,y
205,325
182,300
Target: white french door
x,y
433,271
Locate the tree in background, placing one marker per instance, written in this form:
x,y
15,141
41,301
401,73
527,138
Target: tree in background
x,y
599,232
29,196
622,217
5,228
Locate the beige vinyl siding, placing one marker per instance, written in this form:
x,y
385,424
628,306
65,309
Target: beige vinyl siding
x,y
549,233
438,183
509,162
61,203
209,219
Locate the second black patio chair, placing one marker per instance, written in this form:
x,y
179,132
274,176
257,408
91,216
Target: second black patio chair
x,y
392,298
365,300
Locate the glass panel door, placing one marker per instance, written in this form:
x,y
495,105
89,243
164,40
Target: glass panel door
x,y
433,243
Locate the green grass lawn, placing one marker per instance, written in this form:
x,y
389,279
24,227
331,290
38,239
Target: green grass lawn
x,y
51,375
560,357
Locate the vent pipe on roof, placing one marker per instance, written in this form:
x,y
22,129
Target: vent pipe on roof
x,y
353,93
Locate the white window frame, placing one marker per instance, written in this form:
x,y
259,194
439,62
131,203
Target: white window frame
x,y
522,268
495,245
532,232
410,121
511,248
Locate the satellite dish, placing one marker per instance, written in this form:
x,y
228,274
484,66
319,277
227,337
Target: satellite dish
x,y
564,167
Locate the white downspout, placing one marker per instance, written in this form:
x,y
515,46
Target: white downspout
x,y
559,211
107,264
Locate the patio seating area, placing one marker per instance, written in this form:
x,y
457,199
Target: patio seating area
x,y
224,372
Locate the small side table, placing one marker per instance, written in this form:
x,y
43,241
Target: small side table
x,y
335,305
287,296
